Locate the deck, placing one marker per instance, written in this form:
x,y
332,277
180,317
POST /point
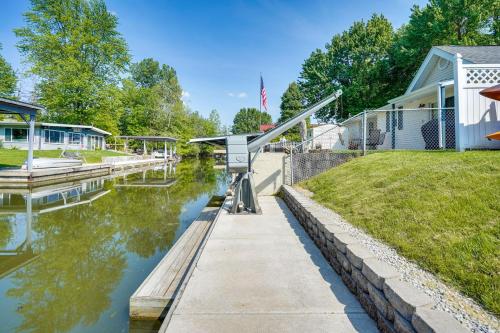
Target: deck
x,y
262,273
157,292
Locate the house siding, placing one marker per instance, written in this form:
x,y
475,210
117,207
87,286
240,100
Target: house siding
x,y
39,143
482,117
330,139
436,74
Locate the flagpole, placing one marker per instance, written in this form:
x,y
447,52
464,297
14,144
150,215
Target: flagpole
x,y
260,100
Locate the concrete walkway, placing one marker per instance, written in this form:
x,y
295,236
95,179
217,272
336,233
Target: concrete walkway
x,y
264,274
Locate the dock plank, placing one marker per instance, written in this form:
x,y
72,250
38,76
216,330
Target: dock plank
x,y
158,290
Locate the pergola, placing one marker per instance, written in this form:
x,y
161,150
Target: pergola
x,y
28,113
172,142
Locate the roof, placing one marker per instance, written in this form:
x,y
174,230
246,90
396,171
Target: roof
x,y
266,127
12,106
221,140
148,138
95,129
474,54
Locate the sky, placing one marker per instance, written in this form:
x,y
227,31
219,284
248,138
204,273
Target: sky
x,y
219,48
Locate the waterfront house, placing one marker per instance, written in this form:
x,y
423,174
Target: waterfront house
x,y
51,136
442,107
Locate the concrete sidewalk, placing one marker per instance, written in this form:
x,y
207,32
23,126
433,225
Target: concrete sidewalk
x,y
262,273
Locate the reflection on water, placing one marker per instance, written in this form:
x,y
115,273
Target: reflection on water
x,y
72,254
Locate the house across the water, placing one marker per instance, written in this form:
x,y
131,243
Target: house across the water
x,y
441,108
51,136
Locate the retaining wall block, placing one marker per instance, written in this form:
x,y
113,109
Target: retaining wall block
x,y
431,321
378,299
335,264
348,281
368,305
402,325
356,253
332,229
346,265
377,272
405,298
360,279
340,241
384,325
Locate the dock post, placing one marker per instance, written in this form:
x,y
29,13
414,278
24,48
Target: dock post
x,y
144,147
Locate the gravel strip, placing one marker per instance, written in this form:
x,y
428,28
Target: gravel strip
x,y
464,309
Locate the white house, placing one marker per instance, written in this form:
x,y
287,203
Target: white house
x,y
326,136
51,136
442,107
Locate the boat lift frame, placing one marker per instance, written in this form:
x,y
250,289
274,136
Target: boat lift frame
x,y
242,150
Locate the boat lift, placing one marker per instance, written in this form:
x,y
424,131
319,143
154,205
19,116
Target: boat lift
x,y
239,159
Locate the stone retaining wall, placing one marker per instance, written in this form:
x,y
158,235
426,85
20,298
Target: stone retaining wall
x,y
395,305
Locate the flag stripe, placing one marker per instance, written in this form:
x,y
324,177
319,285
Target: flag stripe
x,y
263,94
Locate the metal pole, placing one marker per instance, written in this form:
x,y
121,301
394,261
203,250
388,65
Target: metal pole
x,y
144,147
165,151
439,116
291,166
31,137
364,132
260,100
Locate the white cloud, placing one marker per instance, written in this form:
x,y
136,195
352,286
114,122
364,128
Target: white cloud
x,y
185,94
238,95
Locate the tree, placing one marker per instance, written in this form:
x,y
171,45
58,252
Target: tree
x,y
247,120
8,79
214,118
74,48
355,61
291,105
442,22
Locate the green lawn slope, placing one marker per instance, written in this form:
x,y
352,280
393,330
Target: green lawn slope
x,y
15,158
439,209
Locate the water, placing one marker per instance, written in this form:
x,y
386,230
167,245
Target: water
x,y
70,262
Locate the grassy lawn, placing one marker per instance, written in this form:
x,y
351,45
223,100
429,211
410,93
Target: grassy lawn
x,y
15,158
439,209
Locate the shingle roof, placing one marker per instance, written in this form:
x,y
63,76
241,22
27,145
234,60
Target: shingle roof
x,y
475,54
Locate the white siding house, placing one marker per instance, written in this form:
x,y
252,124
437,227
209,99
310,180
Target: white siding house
x,y
326,136
444,97
50,136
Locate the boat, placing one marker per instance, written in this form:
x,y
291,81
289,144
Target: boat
x,y
47,163
493,136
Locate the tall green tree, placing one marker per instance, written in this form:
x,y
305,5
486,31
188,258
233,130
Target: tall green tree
x,y
355,61
214,118
74,47
247,120
291,105
442,22
8,78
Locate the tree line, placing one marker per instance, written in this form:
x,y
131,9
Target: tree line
x,y
372,62
84,75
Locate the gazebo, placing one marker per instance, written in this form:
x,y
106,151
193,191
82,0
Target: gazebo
x,y
28,113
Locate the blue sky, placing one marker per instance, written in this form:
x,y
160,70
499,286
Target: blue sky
x,y
219,47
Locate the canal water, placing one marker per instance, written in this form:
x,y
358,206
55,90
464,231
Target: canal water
x,y
72,254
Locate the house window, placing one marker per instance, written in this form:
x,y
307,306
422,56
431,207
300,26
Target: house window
x,y
400,120
387,121
74,138
16,134
56,137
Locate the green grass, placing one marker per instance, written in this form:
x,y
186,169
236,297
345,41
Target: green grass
x,y
15,158
439,209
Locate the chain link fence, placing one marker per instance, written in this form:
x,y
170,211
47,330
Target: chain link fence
x,y
370,131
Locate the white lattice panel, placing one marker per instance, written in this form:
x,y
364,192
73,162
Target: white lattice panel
x,y
482,77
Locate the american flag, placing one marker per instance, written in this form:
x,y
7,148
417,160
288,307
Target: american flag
x,y
263,93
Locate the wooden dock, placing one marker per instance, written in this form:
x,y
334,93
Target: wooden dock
x,y
153,297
